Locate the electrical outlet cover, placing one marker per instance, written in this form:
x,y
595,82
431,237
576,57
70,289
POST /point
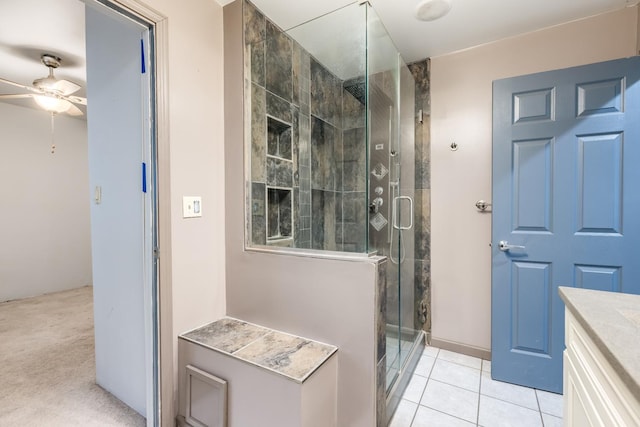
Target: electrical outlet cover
x,y
191,206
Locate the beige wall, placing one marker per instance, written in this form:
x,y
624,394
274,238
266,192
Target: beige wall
x,y
196,132
328,300
461,98
46,242
197,158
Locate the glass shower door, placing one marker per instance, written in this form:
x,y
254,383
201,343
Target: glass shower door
x,y
405,212
401,303
384,169
391,115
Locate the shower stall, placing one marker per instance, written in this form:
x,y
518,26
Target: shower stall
x,y
329,133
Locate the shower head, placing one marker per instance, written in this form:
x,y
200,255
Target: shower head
x,y
357,88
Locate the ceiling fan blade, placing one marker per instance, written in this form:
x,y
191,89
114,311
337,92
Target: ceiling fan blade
x,y
73,110
9,82
16,96
65,87
76,99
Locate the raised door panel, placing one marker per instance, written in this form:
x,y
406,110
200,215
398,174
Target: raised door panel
x,y
532,183
531,285
599,181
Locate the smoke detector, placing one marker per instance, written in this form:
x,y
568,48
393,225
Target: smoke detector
x,y
430,10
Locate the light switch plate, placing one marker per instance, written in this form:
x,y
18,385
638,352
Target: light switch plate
x,y
191,206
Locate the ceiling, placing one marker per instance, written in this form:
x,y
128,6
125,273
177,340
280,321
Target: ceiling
x,y
29,28
469,23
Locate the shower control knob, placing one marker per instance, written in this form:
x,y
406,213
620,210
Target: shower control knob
x,y
379,191
374,206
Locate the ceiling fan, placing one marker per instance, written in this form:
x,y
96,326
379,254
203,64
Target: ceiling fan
x,y
52,94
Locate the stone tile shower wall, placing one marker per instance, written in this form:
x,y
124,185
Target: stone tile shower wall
x,y
354,175
308,148
422,198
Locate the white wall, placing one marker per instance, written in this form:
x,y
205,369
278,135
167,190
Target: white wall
x,y
44,232
461,99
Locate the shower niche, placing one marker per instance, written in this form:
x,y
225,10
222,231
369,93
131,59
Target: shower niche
x,y
279,207
279,218
278,139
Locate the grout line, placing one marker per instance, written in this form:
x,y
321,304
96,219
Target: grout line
x,y
537,400
415,413
423,390
513,403
445,413
539,407
460,364
480,394
479,397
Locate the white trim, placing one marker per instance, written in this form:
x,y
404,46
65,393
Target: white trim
x,y
215,383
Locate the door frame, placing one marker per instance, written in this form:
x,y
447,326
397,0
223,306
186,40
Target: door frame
x,y
159,54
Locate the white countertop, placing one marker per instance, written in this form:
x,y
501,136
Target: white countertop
x,y
612,321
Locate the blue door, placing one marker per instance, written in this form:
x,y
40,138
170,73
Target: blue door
x,y
566,206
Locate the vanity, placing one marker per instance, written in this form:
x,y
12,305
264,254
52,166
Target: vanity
x,y
602,358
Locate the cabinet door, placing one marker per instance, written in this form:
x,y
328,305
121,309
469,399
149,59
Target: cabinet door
x,y
575,412
594,393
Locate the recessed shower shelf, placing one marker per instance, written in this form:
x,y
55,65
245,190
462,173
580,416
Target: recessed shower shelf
x,y
279,215
278,139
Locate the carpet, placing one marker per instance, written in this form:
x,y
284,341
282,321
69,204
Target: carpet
x,y
47,365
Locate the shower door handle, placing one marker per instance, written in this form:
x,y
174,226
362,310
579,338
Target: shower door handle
x,y
396,223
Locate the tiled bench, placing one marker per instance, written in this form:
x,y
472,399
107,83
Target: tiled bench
x,y
237,374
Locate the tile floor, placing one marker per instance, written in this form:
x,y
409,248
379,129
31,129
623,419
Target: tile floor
x,y
449,389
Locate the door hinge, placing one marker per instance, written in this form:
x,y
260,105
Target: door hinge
x,y
156,253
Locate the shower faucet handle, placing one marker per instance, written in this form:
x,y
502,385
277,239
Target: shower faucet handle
x,y
374,206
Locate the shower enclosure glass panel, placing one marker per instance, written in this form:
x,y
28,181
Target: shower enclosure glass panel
x,y
330,126
308,157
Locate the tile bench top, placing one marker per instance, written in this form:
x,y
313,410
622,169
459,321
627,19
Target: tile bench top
x,y
294,357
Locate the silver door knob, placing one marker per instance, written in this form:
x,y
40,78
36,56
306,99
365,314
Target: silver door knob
x,y
482,205
504,246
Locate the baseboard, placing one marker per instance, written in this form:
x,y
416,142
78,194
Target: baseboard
x,y
460,348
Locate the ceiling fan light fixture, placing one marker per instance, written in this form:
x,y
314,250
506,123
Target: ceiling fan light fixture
x,y
50,93
45,83
51,103
430,10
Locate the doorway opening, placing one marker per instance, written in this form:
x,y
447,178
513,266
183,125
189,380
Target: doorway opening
x,y
73,300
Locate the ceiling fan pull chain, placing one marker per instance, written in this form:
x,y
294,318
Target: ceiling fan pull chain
x,y
53,145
